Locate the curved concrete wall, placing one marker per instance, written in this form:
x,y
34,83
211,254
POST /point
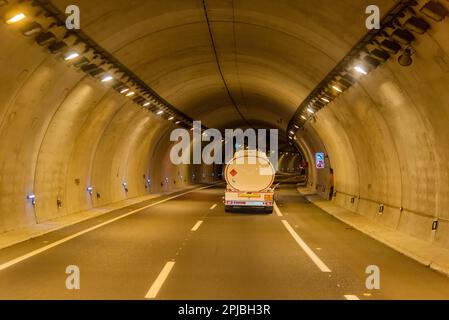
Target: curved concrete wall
x,y
387,140
62,131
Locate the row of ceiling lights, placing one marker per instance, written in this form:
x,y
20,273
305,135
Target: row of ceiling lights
x,y
396,32
49,32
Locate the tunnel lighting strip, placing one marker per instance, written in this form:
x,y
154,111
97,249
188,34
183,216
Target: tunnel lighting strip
x,y
398,29
46,23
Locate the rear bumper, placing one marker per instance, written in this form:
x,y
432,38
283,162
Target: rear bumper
x,y
247,208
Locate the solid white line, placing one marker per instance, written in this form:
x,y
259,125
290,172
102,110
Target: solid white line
x,y
197,225
157,284
213,207
319,263
73,236
351,297
276,209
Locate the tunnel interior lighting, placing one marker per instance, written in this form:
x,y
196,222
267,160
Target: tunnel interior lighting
x,y
130,94
71,55
90,190
360,69
160,112
146,104
292,133
310,110
107,78
171,118
325,99
124,90
31,29
303,117
16,18
337,89
32,197
178,122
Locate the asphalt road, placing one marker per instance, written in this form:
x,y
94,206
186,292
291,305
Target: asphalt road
x,y
166,252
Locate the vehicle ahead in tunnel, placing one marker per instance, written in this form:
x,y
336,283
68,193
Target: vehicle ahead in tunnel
x,y
249,176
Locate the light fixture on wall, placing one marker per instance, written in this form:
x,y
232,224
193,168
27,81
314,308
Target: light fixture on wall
x,y
107,78
90,190
16,17
32,197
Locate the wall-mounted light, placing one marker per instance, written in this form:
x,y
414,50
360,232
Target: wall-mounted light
x,y
16,18
71,55
90,190
360,69
107,78
125,186
337,89
32,197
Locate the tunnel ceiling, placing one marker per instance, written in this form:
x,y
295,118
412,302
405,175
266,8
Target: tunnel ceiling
x,y
252,64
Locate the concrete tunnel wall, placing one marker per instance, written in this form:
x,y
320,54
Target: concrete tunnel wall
x,y
62,131
387,140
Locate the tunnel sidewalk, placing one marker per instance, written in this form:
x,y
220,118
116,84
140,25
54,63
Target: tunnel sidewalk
x,y
436,258
13,237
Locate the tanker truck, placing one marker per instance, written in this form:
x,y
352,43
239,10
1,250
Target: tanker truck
x,y
249,177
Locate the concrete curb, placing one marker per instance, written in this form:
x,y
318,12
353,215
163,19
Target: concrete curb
x,y
377,233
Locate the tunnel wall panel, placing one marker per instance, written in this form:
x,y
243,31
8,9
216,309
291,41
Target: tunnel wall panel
x,y
387,139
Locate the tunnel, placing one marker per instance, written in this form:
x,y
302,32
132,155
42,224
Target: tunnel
x,y
92,91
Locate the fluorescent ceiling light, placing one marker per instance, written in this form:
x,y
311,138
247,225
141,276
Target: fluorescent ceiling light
x,y
337,89
360,69
291,132
18,17
160,112
124,90
309,110
325,99
171,118
178,122
303,117
107,78
146,104
129,94
71,56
